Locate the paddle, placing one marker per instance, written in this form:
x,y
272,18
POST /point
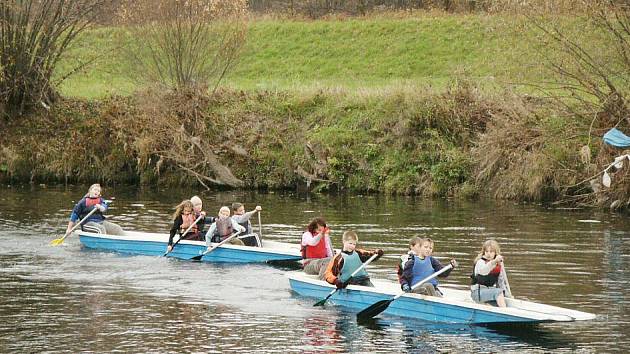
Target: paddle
x,y
322,302
182,235
260,229
58,241
198,258
380,306
507,284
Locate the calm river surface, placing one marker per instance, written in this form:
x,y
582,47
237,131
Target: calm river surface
x,y
66,299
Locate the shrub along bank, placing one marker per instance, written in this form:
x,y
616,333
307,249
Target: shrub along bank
x,y
460,142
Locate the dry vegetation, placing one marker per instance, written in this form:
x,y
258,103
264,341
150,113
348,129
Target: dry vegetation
x,y
460,141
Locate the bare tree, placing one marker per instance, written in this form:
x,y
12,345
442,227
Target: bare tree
x,y
183,44
186,47
593,85
34,36
598,78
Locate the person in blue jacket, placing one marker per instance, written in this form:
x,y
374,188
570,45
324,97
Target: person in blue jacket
x,y
95,222
420,264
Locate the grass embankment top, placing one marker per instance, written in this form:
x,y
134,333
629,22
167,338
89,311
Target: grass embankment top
x,y
370,54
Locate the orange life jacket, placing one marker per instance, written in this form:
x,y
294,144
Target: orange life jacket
x,y
188,220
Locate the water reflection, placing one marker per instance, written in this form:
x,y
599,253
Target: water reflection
x,y
69,299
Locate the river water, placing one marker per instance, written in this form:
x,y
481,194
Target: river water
x,y
67,299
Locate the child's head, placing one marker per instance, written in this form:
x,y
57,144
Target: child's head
x,y
238,209
350,239
197,203
490,249
184,208
224,212
422,247
94,191
316,225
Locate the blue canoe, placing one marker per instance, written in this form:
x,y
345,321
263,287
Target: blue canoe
x,y
454,307
154,244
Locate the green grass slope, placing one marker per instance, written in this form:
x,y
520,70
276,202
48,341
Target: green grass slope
x,y
356,54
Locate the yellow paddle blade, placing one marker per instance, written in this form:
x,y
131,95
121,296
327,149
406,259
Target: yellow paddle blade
x,y
56,242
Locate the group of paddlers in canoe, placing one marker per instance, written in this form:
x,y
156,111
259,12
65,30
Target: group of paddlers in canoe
x,y
489,282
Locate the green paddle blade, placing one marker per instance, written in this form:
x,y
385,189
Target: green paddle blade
x,y
321,302
373,310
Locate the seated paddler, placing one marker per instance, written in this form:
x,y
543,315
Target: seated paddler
x,y
223,227
340,269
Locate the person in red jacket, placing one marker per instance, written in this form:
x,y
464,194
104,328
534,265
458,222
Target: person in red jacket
x,y
316,247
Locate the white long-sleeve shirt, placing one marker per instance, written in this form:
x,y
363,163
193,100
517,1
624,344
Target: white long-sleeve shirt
x,y
241,219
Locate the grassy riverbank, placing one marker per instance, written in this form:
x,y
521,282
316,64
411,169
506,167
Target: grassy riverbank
x,y
416,105
365,54
404,142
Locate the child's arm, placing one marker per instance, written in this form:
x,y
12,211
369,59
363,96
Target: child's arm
x,y
210,233
248,215
74,217
407,274
310,240
201,221
237,227
437,266
402,262
484,268
177,223
365,255
240,218
102,206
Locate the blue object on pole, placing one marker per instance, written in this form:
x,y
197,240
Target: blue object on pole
x,y
616,138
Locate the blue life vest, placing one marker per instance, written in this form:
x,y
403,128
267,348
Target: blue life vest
x,y
351,262
422,268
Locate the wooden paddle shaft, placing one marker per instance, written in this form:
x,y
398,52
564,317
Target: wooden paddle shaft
x,y
81,221
221,243
259,225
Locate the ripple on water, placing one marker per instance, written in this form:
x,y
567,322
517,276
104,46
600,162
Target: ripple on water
x,y
67,299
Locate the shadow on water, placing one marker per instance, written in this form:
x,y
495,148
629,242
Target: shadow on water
x,y
536,335
280,264
340,328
